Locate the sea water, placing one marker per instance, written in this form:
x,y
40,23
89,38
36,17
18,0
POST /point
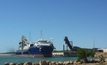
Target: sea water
x,y
18,59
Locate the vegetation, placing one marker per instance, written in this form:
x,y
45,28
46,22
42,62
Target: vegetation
x,y
82,54
101,64
102,59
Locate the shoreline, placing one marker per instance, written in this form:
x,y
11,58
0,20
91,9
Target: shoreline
x,y
41,62
3,54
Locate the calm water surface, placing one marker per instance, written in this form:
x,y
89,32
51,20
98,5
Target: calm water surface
x,y
17,59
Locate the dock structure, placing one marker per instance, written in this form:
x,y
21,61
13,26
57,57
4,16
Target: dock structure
x,y
58,53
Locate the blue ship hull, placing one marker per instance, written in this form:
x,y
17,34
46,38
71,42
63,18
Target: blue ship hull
x,y
40,48
45,51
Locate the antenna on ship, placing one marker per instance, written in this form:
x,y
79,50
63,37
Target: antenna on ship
x,y
30,36
41,34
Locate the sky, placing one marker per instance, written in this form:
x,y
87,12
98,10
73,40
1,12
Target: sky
x,y
83,21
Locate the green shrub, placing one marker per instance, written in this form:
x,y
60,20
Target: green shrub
x,y
82,54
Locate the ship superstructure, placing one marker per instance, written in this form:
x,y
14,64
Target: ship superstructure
x,y
42,47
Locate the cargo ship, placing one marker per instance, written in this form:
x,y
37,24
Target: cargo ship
x,y
40,48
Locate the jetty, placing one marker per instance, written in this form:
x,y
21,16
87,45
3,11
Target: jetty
x,y
58,53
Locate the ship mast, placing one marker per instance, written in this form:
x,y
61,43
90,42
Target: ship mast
x,y
41,34
30,36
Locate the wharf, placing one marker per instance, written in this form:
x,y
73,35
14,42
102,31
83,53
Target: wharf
x,y
69,54
58,53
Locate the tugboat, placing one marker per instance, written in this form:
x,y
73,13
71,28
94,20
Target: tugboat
x,y
40,48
